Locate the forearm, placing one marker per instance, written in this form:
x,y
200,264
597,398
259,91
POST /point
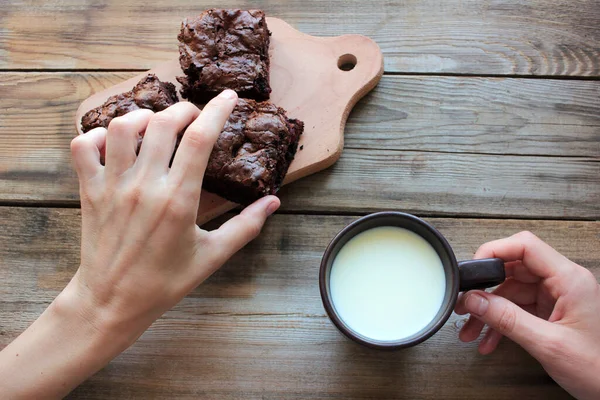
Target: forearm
x,y
59,350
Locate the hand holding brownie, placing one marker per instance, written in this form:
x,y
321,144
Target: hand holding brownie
x,y
141,250
139,234
223,49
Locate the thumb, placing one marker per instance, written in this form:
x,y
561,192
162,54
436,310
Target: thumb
x,y
508,319
243,228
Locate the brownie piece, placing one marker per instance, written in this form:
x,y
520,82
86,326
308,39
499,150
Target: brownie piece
x,y
224,49
253,153
149,93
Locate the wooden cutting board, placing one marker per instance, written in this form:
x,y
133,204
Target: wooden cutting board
x,y
317,80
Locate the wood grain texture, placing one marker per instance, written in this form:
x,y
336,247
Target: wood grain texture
x,y
257,329
479,115
433,36
449,114
424,144
451,184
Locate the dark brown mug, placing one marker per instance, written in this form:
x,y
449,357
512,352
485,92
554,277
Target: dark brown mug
x,y
460,276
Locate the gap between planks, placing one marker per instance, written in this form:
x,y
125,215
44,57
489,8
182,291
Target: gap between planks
x,y
353,213
389,73
484,153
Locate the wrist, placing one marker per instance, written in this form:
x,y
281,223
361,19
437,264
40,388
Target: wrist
x,y
99,323
68,343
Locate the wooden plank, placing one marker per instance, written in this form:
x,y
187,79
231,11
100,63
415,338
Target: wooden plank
x,y
459,124
479,115
36,127
457,36
257,329
449,114
451,184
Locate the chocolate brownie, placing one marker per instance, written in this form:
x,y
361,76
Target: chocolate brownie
x,y
149,93
253,153
224,49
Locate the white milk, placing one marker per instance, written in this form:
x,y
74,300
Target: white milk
x,y
387,283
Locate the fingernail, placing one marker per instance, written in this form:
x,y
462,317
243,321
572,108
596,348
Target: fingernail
x,y
459,323
476,304
272,207
228,94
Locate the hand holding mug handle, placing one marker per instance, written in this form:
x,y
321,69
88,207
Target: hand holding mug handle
x,y
481,274
548,304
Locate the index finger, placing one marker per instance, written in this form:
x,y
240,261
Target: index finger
x,y
536,255
197,143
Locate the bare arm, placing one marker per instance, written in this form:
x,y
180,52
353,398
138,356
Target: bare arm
x,y
141,250
60,350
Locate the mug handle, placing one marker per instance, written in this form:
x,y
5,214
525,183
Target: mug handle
x,y
481,274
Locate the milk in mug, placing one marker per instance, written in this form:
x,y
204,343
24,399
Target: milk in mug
x,y
387,283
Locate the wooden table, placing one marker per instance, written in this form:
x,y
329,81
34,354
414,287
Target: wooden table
x,y
486,122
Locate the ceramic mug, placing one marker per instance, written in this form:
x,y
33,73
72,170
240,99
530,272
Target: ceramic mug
x,y
460,276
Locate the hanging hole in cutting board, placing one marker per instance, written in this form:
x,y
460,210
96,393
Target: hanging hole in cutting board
x,y
347,62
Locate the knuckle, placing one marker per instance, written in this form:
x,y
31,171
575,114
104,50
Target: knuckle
x,y
163,119
187,106
179,210
133,195
253,227
197,140
507,320
586,281
527,236
588,276
119,125
482,248
140,112
79,143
